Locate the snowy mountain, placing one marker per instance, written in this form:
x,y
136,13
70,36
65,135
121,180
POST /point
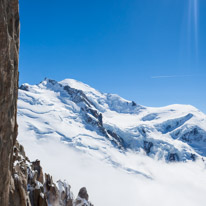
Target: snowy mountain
x,y
116,148
100,123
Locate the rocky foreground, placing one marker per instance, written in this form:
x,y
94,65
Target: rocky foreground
x,y
30,187
9,53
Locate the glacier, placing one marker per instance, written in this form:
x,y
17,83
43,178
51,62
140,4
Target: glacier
x,y
69,118
93,121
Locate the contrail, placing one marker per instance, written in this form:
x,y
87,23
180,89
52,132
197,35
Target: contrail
x,y
171,76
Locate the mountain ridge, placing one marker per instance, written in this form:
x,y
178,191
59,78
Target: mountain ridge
x,y
99,121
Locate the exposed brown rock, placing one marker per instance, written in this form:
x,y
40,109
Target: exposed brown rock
x,y
66,197
51,190
83,193
83,198
18,187
37,197
26,190
58,194
37,167
9,49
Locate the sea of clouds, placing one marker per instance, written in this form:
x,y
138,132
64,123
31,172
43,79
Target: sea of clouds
x,y
174,184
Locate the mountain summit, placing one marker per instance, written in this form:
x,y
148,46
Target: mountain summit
x,y
105,125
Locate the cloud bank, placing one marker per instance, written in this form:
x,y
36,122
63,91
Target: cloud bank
x,y
172,184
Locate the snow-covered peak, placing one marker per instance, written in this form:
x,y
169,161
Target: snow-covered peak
x,y
114,101
101,101
80,86
102,124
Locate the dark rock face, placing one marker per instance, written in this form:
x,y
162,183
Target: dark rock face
x,y
148,146
24,87
51,190
195,134
117,139
65,195
82,198
173,157
193,157
37,167
77,95
134,104
9,49
83,193
172,124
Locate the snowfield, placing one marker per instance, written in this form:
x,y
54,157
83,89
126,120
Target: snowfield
x,y
124,153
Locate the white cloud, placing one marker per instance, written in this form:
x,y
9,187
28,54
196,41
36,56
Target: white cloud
x,y
172,185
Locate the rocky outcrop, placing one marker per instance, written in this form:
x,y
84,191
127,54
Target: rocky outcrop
x,y
58,194
82,198
37,167
172,124
173,157
29,187
24,181
9,48
148,146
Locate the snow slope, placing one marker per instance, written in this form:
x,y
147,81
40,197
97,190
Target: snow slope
x,y
106,130
94,122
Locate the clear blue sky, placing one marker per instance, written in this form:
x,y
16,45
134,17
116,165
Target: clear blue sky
x,y
128,47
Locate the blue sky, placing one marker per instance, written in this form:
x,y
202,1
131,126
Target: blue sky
x,y
149,51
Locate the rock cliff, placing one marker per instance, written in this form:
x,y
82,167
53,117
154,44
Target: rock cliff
x,y
22,183
9,49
